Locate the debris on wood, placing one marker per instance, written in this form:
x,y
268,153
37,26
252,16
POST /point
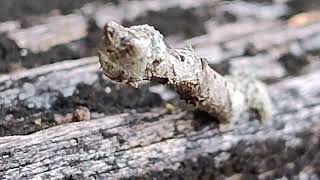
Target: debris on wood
x,y
81,113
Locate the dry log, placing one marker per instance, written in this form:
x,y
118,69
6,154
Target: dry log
x,y
31,94
153,145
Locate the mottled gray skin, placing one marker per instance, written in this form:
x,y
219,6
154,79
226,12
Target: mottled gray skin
x,y
131,55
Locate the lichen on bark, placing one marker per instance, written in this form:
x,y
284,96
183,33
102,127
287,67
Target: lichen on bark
x,y
132,55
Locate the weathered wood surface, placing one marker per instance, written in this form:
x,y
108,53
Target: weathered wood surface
x,y
129,139
153,144
85,71
57,89
39,88
67,73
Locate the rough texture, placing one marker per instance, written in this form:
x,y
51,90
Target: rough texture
x,y
156,145
39,107
40,95
131,55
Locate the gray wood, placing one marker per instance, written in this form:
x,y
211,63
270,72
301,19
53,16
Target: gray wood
x,y
159,145
145,145
27,82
